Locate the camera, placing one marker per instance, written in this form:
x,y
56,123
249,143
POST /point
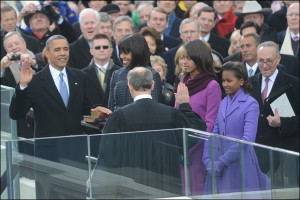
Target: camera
x,y
15,57
38,7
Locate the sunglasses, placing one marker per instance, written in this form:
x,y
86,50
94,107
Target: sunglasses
x,y
103,47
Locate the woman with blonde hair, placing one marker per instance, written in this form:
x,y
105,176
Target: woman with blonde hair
x,y
234,42
159,65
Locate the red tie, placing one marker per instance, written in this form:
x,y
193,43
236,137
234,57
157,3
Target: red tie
x,y
265,91
296,38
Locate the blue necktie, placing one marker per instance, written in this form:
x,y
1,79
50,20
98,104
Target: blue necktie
x,y
63,89
251,72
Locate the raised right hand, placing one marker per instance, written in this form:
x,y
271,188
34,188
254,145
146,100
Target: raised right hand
x,y
26,73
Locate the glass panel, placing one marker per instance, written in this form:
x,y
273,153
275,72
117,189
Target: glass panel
x,y
149,165
56,169
138,165
8,128
284,174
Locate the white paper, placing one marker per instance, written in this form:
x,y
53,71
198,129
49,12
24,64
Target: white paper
x,y
283,105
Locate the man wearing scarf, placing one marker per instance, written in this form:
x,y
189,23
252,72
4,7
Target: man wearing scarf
x,y
225,18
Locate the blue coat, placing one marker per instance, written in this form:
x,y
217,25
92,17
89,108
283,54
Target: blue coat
x,y
239,121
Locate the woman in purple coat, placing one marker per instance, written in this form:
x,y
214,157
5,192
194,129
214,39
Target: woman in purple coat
x,y
237,118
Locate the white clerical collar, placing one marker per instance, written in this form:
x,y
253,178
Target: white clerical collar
x,y
206,38
142,96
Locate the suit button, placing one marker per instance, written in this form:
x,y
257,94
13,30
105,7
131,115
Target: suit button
x,y
224,120
261,115
223,133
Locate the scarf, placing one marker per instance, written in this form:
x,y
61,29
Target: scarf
x,y
198,83
227,23
286,47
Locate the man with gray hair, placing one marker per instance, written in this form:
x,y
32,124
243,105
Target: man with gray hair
x,y
274,129
189,29
144,11
106,24
11,63
80,55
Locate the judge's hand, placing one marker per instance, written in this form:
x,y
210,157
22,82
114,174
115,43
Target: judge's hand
x,y
101,109
274,121
182,95
26,73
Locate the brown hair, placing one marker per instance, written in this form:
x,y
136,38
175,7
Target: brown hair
x,y
201,55
240,71
150,31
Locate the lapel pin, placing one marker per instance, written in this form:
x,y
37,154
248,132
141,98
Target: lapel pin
x,y
76,84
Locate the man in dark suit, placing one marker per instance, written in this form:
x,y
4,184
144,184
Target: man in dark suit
x,y
249,43
207,20
274,129
80,55
150,166
9,24
100,70
58,97
288,63
55,114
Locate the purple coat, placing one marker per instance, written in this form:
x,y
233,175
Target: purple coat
x,y
238,120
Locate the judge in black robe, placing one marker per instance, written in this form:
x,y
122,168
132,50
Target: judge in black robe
x,y
151,157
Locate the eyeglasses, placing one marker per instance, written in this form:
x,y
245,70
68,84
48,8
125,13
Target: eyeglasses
x,y
99,47
269,62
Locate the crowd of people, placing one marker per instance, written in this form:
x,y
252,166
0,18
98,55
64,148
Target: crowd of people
x,y
232,59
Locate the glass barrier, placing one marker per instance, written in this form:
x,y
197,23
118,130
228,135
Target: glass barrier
x,y
142,165
151,164
58,168
8,128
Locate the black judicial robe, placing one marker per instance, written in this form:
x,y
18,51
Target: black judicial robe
x,y
152,157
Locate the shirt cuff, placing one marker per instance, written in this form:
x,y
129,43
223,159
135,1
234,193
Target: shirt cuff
x,y
22,88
